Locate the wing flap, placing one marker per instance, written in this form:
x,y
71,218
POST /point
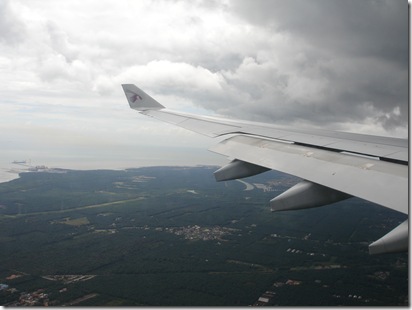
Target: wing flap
x,y
388,148
368,148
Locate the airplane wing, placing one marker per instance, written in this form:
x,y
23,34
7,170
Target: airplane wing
x,y
333,165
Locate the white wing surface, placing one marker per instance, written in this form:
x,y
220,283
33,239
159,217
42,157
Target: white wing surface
x,y
333,165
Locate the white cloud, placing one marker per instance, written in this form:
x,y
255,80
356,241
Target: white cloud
x,y
62,64
173,76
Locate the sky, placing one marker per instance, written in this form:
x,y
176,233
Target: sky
x,y
335,65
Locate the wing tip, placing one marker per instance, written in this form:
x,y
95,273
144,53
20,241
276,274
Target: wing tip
x,y
139,100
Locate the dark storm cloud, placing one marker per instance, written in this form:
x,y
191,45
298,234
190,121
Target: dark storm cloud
x,y
360,48
367,27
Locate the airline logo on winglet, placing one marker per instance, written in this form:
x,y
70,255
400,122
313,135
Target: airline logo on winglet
x,y
139,100
136,97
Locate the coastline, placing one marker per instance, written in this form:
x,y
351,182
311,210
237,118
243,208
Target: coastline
x,y
7,176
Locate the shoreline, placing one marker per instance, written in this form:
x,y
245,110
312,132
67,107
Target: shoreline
x,y
10,175
7,176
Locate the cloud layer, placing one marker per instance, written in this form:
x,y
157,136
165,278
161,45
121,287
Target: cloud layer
x,y
331,64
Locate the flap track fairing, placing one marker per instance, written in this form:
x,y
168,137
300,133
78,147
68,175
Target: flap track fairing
x,y
238,169
305,195
393,242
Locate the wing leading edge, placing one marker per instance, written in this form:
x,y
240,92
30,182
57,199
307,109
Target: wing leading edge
x,y
333,165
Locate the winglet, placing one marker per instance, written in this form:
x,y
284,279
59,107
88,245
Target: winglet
x,y
139,100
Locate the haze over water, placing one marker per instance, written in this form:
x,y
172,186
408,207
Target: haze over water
x,y
151,156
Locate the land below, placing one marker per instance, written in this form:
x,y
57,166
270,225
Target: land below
x,y
172,236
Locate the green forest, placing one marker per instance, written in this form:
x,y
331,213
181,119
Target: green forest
x,y
173,236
